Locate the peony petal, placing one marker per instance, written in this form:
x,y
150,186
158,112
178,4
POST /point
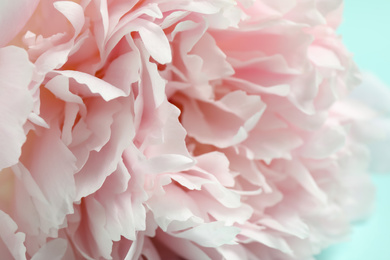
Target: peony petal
x,y
102,27
58,171
212,234
59,86
155,40
13,16
281,6
224,122
324,58
179,128
292,224
299,172
91,177
119,75
95,85
182,247
11,244
16,102
228,215
268,239
149,250
55,249
324,143
136,248
166,149
214,63
166,163
92,239
58,55
248,169
125,211
217,164
271,145
185,209
279,90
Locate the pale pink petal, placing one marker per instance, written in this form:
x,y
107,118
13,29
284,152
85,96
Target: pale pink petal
x,y
33,206
228,215
91,238
149,250
102,163
324,58
181,129
267,239
95,85
156,42
58,170
268,145
55,249
169,135
164,146
289,224
324,142
304,178
279,90
247,169
59,86
218,164
211,234
235,252
118,75
13,16
12,243
57,56
102,26
185,209
181,247
165,163
306,12
224,122
16,102
122,220
281,6
136,248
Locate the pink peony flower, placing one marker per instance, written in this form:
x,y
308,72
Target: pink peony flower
x,y
177,129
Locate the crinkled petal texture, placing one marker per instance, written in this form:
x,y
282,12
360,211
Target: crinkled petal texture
x,y
178,129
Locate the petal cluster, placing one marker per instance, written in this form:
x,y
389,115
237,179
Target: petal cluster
x,y
177,129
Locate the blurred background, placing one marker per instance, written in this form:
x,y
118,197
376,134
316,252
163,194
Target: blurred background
x,y
366,33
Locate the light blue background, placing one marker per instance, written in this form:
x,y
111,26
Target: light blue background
x,y
366,32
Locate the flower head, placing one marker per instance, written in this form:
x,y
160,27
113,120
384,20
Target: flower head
x,y
174,128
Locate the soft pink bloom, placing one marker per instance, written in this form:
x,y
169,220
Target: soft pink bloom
x,y
170,129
